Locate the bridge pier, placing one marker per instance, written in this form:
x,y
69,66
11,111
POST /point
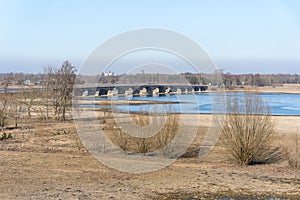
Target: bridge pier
x,y
178,91
168,90
85,93
155,92
113,92
143,92
129,92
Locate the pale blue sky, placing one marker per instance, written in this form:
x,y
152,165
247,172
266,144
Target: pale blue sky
x,y
240,36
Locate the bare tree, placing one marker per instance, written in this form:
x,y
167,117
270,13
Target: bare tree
x,y
66,78
16,106
59,84
4,102
29,97
52,91
3,110
248,129
46,83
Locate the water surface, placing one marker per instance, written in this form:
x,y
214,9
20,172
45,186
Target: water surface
x,y
202,103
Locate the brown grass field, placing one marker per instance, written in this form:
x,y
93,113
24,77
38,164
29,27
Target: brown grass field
x,y
46,160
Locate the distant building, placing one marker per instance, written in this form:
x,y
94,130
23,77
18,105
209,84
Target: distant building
x,y
108,73
28,82
39,82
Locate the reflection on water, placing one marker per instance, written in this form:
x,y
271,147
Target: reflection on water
x,y
280,104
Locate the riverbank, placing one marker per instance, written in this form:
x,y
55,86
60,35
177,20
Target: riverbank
x,y
285,88
46,160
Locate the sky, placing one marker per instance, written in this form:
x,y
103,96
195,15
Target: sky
x,y
250,36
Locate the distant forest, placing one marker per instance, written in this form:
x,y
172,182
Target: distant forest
x,y
227,79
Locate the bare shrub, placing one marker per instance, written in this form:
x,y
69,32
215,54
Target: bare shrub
x,y
291,151
141,120
248,130
168,132
143,144
121,139
114,133
106,115
140,144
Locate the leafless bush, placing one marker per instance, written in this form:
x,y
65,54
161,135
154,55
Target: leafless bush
x,y
140,144
106,115
114,133
248,130
291,151
168,132
119,137
143,144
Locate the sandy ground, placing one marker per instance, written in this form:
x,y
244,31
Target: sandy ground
x,y
285,88
45,160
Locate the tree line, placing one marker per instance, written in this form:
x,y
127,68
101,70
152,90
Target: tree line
x,y
235,80
228,79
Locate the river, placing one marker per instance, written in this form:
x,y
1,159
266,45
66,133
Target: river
x,y
281,104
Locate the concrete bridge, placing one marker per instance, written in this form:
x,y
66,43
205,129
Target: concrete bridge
x,y
135,90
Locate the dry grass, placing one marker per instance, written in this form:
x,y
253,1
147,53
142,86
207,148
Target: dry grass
x,y
46,161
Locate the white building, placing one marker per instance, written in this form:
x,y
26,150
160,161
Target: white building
x,y
28,82
108,73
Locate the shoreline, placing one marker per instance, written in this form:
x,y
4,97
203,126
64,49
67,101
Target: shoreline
x,y
201,114
284,89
